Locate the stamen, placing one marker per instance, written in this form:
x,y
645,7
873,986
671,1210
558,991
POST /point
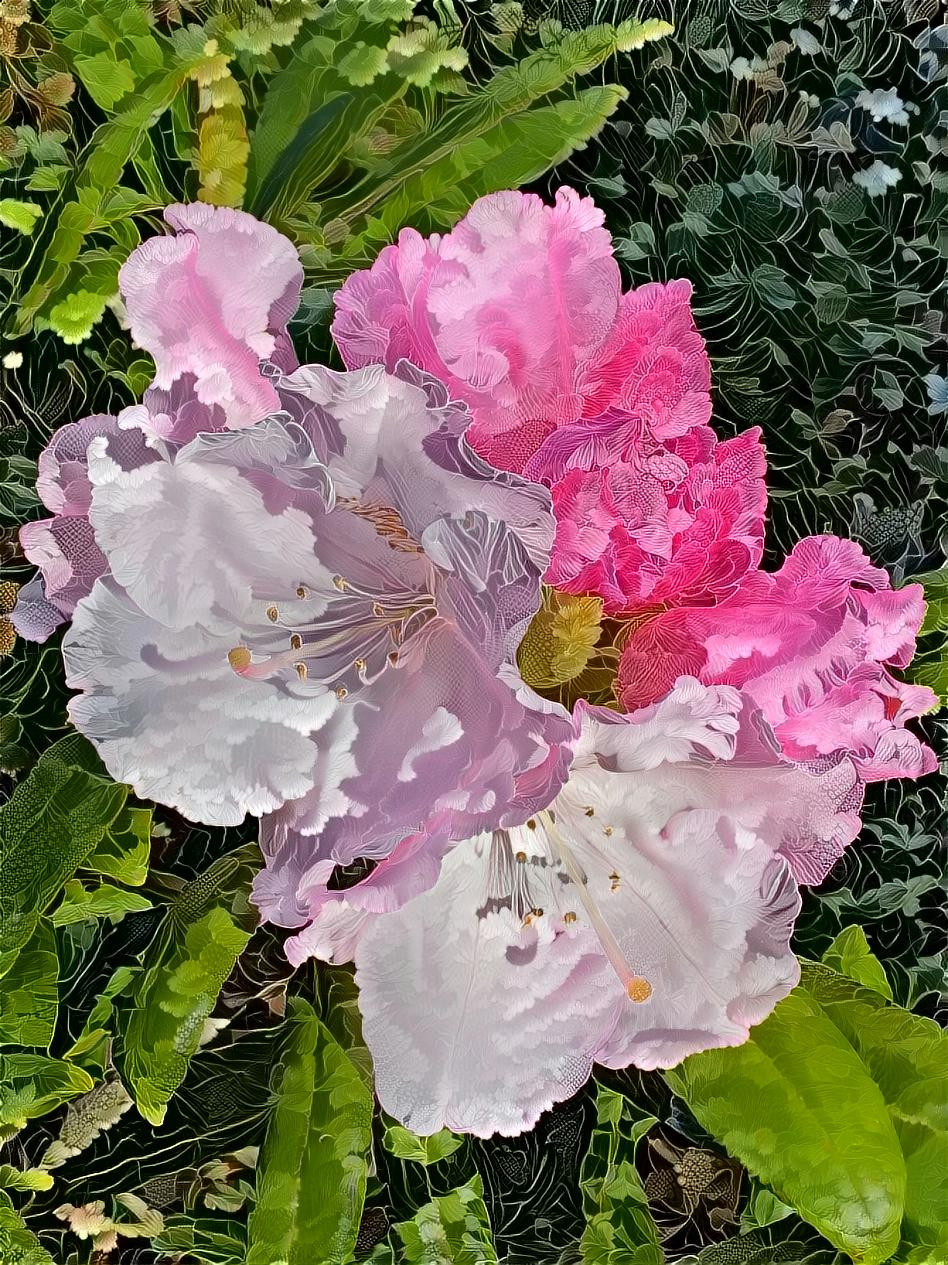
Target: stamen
x,y
239,658
301,591
296,642
637,987
301,671
590,811
341,692
607,831
569,917
340,582
272,614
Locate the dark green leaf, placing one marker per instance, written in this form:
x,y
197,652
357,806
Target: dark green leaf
x,y
405,1145
18,1245
29,995
31,1085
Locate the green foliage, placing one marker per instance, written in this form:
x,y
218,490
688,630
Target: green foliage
x,y
405,1145
312,1173
184,972
850,955
123,852
620,1229
452,1229
18,1245
797,1106
32,1085
104,901
19,215
29,994
50,825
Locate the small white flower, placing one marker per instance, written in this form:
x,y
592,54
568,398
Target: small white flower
x,y
877,178
884,105
13,360
740,68
805,41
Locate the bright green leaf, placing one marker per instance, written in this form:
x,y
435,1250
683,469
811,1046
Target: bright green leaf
x,y
29,994
24,1179
74,318
106,78
32,1085
452,1229
19,215
850,954
49,826
99,902
405,1145
312,1171
619,1226
123,852
796,1105
18,1245
935,584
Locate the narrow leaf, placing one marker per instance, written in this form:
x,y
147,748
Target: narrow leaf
x,y
312,1171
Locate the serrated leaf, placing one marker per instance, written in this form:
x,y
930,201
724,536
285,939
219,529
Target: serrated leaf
x,y
452,1229
405,1145
850,955
49,826
184,972
29,994
104,901
18,1245
85,1119
797,1106
312,1170
24,1179
619,1226
74,318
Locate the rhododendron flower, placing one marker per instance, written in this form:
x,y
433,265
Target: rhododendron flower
x,y
644,915
338,633
810,645
645,525
519,310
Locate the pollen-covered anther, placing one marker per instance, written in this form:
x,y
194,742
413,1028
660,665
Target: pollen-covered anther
x,y
531,824
301,671
590,811
272,614
614,881
607,831
522,857
638,989
359,665
341,692
239,658
537,913
340,582
301,592
569,917
296,642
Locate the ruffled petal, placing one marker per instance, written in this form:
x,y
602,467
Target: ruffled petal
x,y
209,304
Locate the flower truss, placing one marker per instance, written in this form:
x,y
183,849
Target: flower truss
x,y
301,594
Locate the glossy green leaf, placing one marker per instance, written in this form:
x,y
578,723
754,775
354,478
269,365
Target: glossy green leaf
x,y
312,1170
123,852
18,1245
797,1106
49,826
405,1145
935,584
24,1178
619,1226
31,1085
452,1229
850,954
20,215
105,901
184,972
29,994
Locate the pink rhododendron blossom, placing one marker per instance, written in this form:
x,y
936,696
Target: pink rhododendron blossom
x,y
519,310
810,645
338,633
209,304
63,547
644,915
651,524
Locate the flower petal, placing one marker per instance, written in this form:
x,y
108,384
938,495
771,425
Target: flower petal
x,y
209,304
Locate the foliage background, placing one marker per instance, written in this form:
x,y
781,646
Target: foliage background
x,y
824,311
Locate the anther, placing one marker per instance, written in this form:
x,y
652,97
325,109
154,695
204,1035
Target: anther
x,y
607,831
359,665
272,614
521,857
296,642
569,917
341,692
537,913
614,881
638,988
239,658
301,671
392,657
301,592
531,824
590,812
340,582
